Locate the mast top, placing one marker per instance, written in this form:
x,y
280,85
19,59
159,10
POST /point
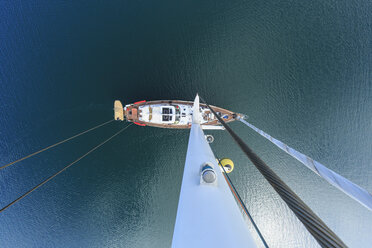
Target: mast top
x,y
196,111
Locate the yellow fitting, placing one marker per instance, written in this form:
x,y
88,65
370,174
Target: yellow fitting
x,y
227,164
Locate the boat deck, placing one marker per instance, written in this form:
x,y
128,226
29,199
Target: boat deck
x,y
133,113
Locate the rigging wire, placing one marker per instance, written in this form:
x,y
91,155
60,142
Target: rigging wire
x,y
318,229
351,189
242,204
63,169
56,144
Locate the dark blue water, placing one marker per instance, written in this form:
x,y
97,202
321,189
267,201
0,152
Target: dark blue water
x,y
301,70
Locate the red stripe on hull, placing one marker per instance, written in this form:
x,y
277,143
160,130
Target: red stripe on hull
x,y
140,124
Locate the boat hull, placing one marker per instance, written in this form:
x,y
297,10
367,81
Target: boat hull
x,y
175,114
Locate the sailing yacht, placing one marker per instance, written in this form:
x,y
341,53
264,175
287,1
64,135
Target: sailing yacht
x,y
171,114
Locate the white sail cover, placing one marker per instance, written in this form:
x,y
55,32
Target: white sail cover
x,y
354,191
207,215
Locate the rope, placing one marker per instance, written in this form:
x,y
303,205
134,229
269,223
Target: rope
x,y
318,229
63,169
56,144
239,199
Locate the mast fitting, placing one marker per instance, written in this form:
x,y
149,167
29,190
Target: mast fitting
x,y
208,176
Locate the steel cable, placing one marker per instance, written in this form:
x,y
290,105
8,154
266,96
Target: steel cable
x,y
239,199
63,169
318,229
56,144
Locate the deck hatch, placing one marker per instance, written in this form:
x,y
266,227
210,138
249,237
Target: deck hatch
x,y
167,118
166,111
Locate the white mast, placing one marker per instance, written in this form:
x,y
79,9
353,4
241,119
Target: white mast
x,y
207,214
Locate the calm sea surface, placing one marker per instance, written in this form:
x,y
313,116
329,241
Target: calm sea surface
x,y
301,70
